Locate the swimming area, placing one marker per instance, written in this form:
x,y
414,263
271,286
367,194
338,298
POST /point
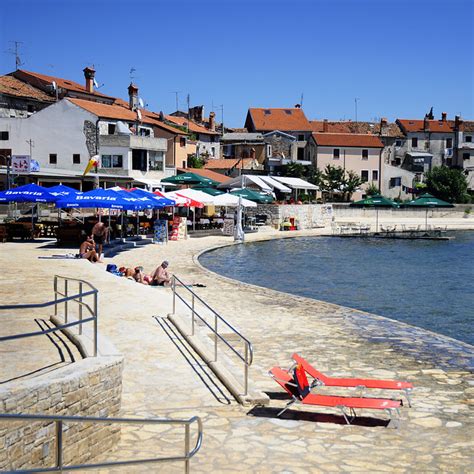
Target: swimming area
x,y
420,282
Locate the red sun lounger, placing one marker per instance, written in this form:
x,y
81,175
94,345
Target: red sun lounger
x,y
321,379
298,388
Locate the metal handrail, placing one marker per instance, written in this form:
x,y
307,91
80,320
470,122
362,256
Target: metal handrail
x,y
60,467
65,298
247,358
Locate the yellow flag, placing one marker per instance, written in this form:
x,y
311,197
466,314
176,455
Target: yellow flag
x,y
92,162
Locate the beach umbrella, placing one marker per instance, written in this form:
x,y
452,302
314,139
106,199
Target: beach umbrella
x,y
183,200
61,190
208,190
190,178
257,196
158,201
27,193
376,201
231,200
197,195
428,201
100,198
239,231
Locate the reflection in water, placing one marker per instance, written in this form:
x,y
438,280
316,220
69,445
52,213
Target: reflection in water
x,y
421,282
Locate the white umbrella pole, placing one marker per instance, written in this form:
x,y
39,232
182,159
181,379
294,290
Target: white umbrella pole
x,y
121,225
138,222
194,219
376,220
426,219
108,233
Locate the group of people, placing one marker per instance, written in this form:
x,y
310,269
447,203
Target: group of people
x,y
160,277
88,249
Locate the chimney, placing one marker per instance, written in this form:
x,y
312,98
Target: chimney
x,y
457,122
383,125
426,124
133,96
212,122
297,106
444,115
89,74
325,126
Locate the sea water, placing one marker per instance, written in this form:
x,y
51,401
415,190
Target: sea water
x,y
425,283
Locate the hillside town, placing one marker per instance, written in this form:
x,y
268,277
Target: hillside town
x,y
59,124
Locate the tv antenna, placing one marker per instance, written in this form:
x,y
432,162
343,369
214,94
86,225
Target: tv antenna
x,y
15,51
131,74
356,101
176,93
301,100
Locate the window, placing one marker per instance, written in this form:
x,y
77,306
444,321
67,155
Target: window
x,y
4,135
300,154
111,128
76,159
301,138
336,153
395,182
182,142
468,139
466,156
53,158
288,112
213,151
398,143
112,161
269,151
375,175
267,112
365,154
414,142
156,161
144,132
364,174
449,142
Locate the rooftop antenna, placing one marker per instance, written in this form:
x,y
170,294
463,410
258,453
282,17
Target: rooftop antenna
x,y
356,100
176,93
131,73
188,100
301,100
15,51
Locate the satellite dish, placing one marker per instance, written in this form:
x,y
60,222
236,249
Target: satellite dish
x,y
53,85
141,103
96,84
139,115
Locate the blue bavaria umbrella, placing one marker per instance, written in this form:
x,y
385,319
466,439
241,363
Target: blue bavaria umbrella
x,y
61,191
27,193
101,198
158,201
138,202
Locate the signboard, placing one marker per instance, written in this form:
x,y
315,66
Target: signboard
x,y
21,164
178,229
228,227
161,231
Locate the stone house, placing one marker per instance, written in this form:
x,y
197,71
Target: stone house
x,y
291,121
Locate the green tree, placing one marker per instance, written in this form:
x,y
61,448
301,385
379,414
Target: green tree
x,y
372,190
449,184
294,170
351,182
195,162
313,175
333,180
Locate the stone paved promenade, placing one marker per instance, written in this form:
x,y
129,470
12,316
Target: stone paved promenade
x,y
161,378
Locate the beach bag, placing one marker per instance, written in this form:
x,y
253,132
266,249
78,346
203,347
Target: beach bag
x,y
111,268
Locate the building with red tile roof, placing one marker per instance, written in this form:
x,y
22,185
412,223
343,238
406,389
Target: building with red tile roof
x,y
206,173
426,125
347,140
285,120
382,128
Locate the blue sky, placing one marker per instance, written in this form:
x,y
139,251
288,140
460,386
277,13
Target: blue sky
x,y
398,58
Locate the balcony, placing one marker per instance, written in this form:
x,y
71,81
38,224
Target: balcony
x,y
133,141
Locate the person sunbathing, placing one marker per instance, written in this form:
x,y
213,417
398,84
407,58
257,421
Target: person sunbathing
x,y
161,277
140,277
87,250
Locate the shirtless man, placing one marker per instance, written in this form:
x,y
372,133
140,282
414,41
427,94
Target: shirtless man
x,y
161,277
87,250
100,233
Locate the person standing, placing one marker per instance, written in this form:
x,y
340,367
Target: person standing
x,y
100,233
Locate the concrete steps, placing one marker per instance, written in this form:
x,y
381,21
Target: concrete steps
x,y
117,246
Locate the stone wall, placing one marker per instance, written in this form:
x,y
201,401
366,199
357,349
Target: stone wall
x,y
308,216
90,387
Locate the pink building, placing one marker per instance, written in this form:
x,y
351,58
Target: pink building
x,y
352,152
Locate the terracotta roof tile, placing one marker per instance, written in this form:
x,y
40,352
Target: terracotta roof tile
x,y
227,163
285,120
43,79
468,126
206,173
10,85
347,139
193,126
436,126
391,130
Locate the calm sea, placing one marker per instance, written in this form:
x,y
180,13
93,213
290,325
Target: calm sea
x,y
424,283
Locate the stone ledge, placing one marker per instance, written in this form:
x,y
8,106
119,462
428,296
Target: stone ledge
x,y
221,368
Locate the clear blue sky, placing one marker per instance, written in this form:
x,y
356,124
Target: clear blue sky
x,y
398,57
